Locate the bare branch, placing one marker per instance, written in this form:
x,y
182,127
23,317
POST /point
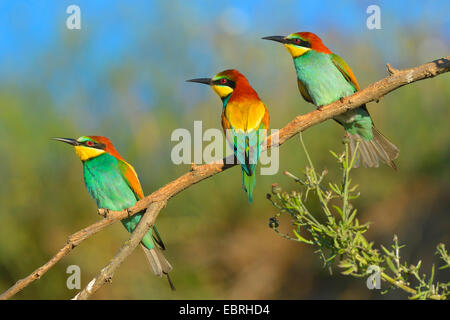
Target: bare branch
x,y
374,92
127,248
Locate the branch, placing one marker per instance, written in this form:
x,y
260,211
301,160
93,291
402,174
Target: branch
x,y
127,248
374,92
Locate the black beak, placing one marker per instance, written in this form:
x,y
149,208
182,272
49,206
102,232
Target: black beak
x,y
201,80
280,39
68,140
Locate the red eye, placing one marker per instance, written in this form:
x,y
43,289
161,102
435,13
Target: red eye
x,y
223,81
297,41
89,143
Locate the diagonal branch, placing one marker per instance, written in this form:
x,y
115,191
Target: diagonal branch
x,y
374,92
105,275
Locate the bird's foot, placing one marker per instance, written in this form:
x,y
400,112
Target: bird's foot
x,y
129,213
103,212
320,108
193,166
341,99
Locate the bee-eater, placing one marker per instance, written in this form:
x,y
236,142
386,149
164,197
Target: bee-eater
x,y
114,185
245,121
323,77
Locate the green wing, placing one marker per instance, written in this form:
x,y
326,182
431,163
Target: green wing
x,y
345,70
130,176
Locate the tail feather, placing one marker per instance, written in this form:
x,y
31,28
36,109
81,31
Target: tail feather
x,y
384,144
248,184
158,263
369,160
379,148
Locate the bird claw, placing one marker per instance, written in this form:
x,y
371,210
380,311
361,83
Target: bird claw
x,y
320,108
103,212
341,99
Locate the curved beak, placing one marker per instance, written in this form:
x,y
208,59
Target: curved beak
x,y
280,39
201,80
68,140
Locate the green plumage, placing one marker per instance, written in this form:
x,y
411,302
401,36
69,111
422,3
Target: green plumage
x,y
324,78
249,181
311,68
110,190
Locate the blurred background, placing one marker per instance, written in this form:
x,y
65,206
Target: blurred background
x,y
122,75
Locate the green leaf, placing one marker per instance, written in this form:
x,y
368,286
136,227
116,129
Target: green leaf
x,y
391,265
334,154
348,271
352,216
301,238
430,282
339,210
345,264
335,188
386,251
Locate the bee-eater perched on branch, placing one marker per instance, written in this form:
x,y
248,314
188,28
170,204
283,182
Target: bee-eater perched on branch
x,y
245,120
323,77
114,185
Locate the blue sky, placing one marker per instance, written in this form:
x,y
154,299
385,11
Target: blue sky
x,y
33,32
28,27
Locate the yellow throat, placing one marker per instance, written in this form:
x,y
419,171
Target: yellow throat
x,y
222,91
296,51
86,153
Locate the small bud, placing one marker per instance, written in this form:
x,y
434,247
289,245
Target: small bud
x,y
276,189
268,196
273,223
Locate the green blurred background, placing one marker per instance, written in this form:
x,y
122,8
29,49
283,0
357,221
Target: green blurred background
x,y
122,76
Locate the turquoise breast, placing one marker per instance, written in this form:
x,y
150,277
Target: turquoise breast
x,y
106,184
323,81
108,187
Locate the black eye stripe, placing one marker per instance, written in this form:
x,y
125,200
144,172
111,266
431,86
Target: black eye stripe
x,y
302,43
95,145
227,83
